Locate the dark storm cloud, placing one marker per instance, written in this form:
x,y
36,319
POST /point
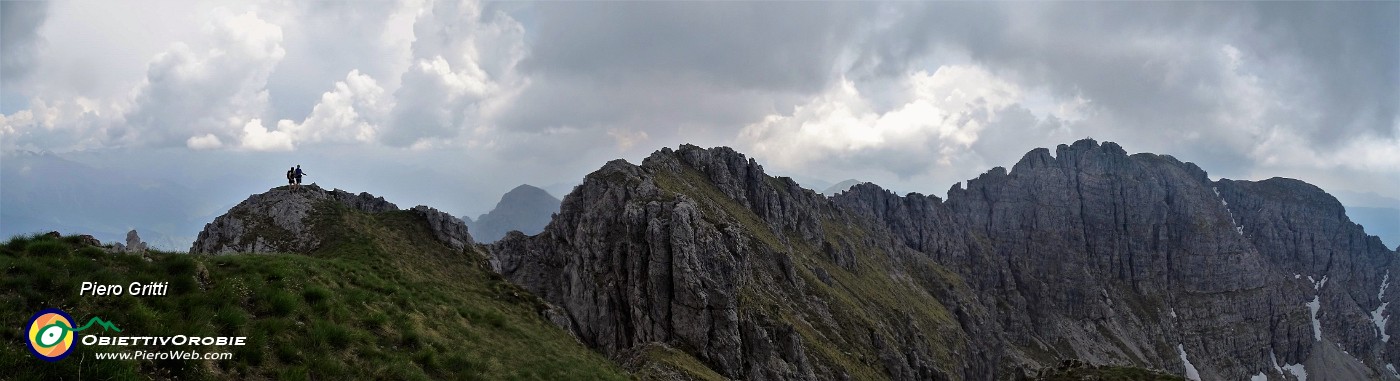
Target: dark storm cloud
x,y
677,63
1151,60
19,38
1352,49
743,45
1156,72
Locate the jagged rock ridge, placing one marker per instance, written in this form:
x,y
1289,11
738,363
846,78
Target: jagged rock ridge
x,y
1088,254
284,220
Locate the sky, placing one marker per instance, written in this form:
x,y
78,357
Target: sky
x,y
177,110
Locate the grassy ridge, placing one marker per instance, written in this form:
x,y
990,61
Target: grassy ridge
x,y
380,300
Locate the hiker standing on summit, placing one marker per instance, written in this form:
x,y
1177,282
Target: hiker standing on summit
x,y
298,175
291,178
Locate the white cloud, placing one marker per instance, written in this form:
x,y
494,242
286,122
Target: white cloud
x,y
463,61
206,142
258,138
348,113
943,116
193,92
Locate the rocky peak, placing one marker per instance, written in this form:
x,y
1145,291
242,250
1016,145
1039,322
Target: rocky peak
x,y
279,220
525,208
780,202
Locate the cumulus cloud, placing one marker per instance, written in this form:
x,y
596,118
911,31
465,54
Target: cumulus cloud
x,y
191,91
349,113
927,93
463,58
257,138
943,115
206,142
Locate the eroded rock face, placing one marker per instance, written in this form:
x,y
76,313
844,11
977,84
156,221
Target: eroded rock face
x,y
1096,255
446,228
1088,254
279,220
700,251
134,244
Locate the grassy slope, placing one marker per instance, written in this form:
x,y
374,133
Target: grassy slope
x,y
380,301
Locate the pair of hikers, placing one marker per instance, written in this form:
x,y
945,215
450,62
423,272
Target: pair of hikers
x,y
294,177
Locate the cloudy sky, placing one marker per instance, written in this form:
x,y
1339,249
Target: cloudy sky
x,y
451,103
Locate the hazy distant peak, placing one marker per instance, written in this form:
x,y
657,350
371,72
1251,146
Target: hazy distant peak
x,y
525,193
525,208
840,187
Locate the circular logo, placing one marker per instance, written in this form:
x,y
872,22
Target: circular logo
x,y
50,334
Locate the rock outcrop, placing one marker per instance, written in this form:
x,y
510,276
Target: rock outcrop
x,y
700,251
446,228
1087,254
526,209
280,220
134,244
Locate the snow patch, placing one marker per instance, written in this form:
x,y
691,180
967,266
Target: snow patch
x,y
1191,372
1318,284
1379,319
1273,358
1315,305
1259,377
1298,371
1385,282
1392,370
1238,228
1172,312
1296,275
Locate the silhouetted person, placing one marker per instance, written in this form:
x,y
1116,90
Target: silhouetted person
x,y
298,175
291,178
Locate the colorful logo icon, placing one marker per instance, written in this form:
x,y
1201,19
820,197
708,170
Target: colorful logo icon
x,y
51,334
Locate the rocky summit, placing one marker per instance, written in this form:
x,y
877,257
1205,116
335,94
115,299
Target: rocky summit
x,y
698,263
286,220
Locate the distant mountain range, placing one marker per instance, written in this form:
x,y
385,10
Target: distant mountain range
x,y
44,192
526,209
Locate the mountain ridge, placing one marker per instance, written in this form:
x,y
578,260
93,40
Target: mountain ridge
x,y
1175,260
696,263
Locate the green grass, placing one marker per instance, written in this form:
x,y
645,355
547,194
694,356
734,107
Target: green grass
x,y
666,363
381,300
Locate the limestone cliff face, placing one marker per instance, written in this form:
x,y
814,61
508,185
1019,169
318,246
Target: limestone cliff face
x,y
1096,255
755,277
1088,253
285,220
